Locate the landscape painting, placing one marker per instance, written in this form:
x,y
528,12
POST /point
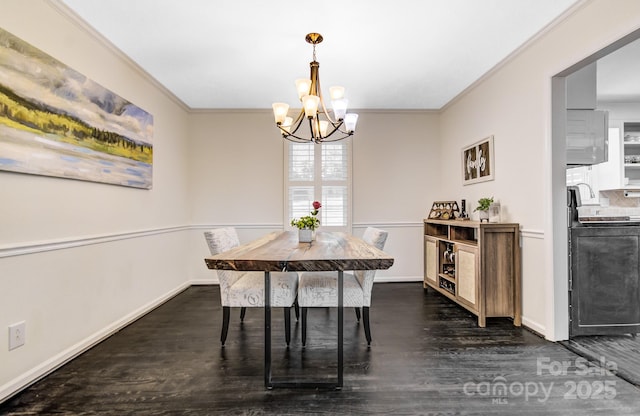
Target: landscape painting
x,y
55,121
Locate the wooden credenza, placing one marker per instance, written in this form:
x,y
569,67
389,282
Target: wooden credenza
x,y
476,265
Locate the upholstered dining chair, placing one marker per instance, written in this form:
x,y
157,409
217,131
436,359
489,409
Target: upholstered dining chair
x,y
320,289
246,289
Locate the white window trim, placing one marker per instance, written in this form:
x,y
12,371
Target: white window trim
x,y
318,174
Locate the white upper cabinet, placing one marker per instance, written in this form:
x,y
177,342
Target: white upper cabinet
x,y
587,137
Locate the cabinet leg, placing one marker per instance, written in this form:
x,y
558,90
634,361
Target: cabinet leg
x,y
482,321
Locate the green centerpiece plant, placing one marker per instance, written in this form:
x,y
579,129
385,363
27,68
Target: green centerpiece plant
x,y
307,225
310,222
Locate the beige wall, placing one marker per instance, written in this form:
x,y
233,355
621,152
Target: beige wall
x,y
513,103
80,259
239,176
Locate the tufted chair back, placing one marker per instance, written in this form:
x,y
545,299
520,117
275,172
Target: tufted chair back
x,y
376,238
219,241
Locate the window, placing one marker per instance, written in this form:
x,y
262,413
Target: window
x,y
583,175
319,172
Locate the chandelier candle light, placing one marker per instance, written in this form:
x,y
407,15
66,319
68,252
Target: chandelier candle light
x,y
323,127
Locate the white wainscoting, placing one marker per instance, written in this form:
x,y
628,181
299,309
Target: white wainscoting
x,y
43,369
533,272
61,244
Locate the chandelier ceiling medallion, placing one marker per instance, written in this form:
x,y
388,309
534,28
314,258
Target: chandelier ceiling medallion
x,y
323,126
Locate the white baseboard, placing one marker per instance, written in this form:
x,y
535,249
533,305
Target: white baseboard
x,y
398,279
388,279
534,326
203,282
26,379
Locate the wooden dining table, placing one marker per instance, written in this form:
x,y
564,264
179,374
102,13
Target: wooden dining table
x,y
281,252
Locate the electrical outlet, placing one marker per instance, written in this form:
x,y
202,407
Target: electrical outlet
x,y
17,335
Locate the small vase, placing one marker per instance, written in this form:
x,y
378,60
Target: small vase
x,y
484,216
305,235
494,212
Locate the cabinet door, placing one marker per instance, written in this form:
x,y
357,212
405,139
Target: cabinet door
x,y
605,280
609,174
430,260
587,137
467,274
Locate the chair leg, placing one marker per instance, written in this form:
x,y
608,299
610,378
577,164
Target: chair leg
x,y
243,311
367,327
287,325
226,312
304,326
357,314
296,308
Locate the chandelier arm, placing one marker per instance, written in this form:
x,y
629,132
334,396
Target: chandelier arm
x,y
336,128
312,130
319,93
345,135
298,122
320,138
292,133
297,139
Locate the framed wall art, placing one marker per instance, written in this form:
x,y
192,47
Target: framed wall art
x,y
57,122
478,162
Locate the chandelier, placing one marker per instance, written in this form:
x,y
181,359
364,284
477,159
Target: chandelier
x,y
323,127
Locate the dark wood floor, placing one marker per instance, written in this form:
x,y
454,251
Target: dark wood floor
x,y
428,357
621,353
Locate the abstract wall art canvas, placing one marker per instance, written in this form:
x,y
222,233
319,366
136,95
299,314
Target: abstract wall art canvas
x,y
57,122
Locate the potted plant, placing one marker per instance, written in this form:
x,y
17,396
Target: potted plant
x,y
307,225
483,208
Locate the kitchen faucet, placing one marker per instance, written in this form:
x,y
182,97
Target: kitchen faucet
x,y
588,186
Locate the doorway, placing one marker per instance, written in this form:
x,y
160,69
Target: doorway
x,y
559,222
616,348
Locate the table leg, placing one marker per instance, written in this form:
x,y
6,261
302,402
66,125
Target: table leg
x,y
267,330
340,324
268,381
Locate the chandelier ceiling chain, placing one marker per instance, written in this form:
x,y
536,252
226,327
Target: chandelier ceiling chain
x,y
323,127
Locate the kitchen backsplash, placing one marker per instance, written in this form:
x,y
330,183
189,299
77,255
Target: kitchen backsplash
x,y
619,205
617,199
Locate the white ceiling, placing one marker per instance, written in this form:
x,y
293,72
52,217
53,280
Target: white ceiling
x,y
619,75
402,54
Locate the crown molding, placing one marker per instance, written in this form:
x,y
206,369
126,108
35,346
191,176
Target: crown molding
x,y
74,18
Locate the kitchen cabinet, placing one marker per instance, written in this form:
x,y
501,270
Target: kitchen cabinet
x,y
609,175
622,170
604,280
431,260
587,137
631,146
476,265
467,274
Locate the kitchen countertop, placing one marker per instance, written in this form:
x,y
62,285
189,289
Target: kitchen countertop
x,y
594,214
609,221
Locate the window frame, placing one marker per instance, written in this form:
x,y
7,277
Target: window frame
x,y
318,183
